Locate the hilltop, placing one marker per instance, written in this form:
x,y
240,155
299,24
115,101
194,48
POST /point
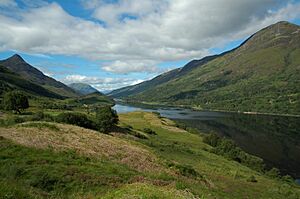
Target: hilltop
x,y
260,75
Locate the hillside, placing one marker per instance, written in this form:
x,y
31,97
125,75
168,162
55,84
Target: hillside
x,y
17,65
82,88
163,78
10,81
52,160
261,75
93,99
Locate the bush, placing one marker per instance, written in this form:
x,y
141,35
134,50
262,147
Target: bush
x,y
78,119
185,170
287,178
212,139
273,173
15,101
11,120
41,116
138,135
251,179
149,131
106,119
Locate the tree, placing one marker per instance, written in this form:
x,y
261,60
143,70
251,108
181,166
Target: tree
x,y
15,101
106,118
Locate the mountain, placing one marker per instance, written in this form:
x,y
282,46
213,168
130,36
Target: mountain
x,y
163,78
260,75
82,88
10,81
17,65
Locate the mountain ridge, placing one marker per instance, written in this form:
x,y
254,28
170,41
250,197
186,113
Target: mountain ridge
x,y
19,66
264,66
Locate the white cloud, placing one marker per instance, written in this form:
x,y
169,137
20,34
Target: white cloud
x,y
165,30
101,83
7,3
130,66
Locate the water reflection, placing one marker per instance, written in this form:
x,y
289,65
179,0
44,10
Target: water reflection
x,y
276,139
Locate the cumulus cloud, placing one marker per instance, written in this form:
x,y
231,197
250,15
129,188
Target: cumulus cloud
x,y
7,3
136,35
130,66
101,83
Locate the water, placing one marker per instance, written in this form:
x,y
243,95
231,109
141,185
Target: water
x,y
276,139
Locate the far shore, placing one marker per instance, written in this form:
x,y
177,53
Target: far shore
x,y
143,103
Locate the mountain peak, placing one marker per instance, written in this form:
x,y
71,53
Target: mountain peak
x,y
282,34
16,58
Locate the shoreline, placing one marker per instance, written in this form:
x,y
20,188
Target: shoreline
x,y
197,109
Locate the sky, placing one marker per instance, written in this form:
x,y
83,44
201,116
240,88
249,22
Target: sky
x,y
115,43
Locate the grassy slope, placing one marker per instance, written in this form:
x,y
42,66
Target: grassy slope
x,y
262,75
10,81
53,160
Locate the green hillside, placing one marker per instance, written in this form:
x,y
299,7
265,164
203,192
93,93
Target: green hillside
x,y
17,65
261,75
50,160
12,81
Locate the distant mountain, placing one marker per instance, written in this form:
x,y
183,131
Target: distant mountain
x,y
82,88
260,75
17,65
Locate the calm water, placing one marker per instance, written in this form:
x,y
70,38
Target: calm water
x,y
276,139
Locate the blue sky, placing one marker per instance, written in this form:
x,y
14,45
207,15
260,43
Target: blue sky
x,y
115,43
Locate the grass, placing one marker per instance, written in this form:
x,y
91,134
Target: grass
x,y
47,173
218,174
51,160
40,125
147,191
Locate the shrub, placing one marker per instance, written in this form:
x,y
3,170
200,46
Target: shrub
x,y
251,179
273,173
15,101
149,131
11,120
41,116
106,118
185,170
78,119
287,178
138,135
211,139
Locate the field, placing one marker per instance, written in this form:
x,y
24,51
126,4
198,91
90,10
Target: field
x,y
51,160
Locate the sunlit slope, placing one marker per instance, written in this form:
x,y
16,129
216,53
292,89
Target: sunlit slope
x,y
261,75
50,160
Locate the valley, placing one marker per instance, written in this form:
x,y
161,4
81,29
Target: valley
x,y
224,126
